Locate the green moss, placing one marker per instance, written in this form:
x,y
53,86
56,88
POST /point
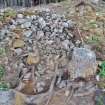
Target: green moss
x,y
4,86
100,100
9,13
2,71
1,18
92,24
101,85
29,13
94,39
98,48
2,51
102,69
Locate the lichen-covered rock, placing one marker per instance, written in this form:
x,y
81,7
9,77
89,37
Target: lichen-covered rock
x,y
84,63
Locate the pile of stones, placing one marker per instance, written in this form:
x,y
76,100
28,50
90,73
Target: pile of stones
x,y
35,39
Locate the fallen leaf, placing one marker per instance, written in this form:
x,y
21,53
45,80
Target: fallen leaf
x,y
33,58
18,43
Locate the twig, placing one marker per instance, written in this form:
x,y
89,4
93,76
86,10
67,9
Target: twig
x,y
33,74
33,77
80,35
70,96
52,84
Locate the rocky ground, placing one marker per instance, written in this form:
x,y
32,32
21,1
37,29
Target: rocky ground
x,y
36,47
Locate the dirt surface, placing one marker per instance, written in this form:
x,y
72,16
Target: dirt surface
x,y
38,68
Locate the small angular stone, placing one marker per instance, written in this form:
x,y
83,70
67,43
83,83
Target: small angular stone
x,y
18,43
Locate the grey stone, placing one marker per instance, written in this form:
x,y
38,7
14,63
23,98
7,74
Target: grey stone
x,y
84,62
33,17
70,23
40,34
62,84
29,48
12,27
95,1
20,21
18,51
54,16
20,16
21,66
26,25
27,33
3,33
40,89
28,17
65,44
14,22
78,42
42,22
6,97
66,25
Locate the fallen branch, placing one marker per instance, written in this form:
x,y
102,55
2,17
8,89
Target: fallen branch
x,y
52,83
79,33
51,89
70,96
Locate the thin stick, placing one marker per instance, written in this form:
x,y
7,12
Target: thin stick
x,y
52,84
33,74
70,96
80,36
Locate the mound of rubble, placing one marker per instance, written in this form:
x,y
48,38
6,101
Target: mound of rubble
x,y
35,39
36,49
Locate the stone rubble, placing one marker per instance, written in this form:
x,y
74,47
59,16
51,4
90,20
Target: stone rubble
x,y
48,33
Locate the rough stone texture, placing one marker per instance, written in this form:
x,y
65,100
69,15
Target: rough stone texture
x,y
46,32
